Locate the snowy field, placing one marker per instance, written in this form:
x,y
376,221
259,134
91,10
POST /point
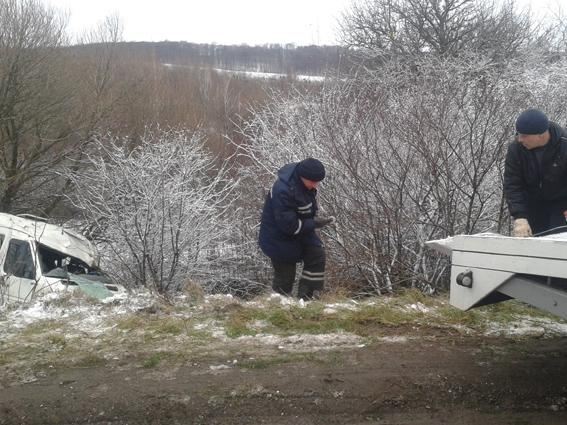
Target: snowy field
x,y
258,74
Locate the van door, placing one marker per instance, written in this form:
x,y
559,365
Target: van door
x,y
20,270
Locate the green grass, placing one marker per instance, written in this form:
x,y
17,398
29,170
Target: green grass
x,y
413,296
40,328
329,358
57,340
313,320
199,336
310,320
372,319
168,326
156,325
152,361
142,335
509,311
159,358
90,360
382,314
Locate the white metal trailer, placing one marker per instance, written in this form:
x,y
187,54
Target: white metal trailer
x,y
489,268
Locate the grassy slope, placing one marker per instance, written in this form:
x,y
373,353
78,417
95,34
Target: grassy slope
x,y
259,333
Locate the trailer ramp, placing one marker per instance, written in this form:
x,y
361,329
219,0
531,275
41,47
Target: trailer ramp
x,y
489,268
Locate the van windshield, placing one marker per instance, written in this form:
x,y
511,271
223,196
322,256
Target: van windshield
x,y
51,259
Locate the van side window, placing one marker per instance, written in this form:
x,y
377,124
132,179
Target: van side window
x,y
19,260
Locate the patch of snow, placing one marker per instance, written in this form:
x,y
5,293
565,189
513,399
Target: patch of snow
x,y
212,326
271,299
333,308
87,318
418,307
301,343
256,74
529,326
118,297
397,339
270,75
219,297
259,324
219,367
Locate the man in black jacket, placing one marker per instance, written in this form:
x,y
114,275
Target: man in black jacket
x,y
535,175
287,230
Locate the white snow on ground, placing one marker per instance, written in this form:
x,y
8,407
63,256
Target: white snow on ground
x,y
219,297
529,326
269,75
274,299
90,319
395,339
87,318
256,74
301,342
334,308
418,307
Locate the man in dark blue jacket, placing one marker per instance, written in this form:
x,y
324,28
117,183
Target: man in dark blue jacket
x,y
287,230
535,174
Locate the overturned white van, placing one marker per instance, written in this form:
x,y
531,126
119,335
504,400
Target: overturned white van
x,y
37,257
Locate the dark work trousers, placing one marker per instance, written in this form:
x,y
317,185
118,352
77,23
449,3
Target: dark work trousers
x,y
312,277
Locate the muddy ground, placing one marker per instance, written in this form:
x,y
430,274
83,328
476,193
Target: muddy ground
x,y
427,379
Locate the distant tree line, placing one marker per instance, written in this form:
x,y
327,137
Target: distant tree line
x,y
286,59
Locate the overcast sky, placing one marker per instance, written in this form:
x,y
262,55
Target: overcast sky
x,y
207,21
221,21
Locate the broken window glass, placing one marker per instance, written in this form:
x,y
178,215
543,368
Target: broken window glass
x,y
50,259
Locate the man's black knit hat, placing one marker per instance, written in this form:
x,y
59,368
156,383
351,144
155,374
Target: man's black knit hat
x,y
311,169
532,121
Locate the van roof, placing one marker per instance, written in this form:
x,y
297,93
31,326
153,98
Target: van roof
x,y
53,236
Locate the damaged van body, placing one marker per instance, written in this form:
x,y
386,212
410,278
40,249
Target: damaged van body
x,y
37,258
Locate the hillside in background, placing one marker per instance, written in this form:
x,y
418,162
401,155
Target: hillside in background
x,y
274,58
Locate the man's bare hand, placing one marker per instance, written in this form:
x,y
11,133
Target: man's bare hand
x,y
522,228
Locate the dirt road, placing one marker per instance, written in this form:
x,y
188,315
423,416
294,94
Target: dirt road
x,y
426,380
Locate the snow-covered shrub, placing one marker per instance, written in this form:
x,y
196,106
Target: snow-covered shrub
x,y
413,153
158,210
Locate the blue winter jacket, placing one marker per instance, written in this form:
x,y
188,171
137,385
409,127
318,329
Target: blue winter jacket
x,y
287,219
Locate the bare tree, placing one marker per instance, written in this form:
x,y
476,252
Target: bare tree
x,y
93,96
32,99
159,210
51,100
401,28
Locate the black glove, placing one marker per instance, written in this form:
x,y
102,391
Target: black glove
x,y
323,221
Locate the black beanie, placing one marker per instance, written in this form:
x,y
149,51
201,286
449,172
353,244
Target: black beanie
x,y
311,169
532,121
